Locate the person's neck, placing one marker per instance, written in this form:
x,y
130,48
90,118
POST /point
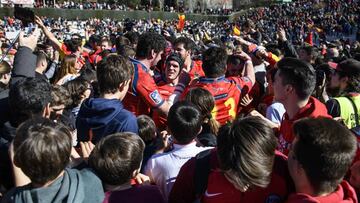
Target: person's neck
x,y
145,62
35,185
116,95
188,63
40,70
173,82
124,186
307,188
293,107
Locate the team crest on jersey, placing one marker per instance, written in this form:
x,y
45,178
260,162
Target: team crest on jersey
x,y
156,97
273,199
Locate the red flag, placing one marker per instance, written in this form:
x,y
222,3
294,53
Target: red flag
x,y
181,23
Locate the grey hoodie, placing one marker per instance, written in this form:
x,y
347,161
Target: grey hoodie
x,y
73,187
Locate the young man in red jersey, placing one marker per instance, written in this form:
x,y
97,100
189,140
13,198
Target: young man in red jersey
x,y
227,92
143,93
244,168
293,85
185,47
319,158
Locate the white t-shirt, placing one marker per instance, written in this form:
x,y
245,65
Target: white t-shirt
x,y
163,168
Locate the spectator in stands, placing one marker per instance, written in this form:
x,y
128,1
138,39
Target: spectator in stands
x,y
41,149
116,159
99,117
184,124
244,168
321,155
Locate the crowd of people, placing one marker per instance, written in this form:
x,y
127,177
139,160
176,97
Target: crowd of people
x,y
265,109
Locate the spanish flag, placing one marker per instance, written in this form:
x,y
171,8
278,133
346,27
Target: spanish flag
x,y
236,30
181,23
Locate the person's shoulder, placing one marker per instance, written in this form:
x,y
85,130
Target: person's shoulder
x,y
11,194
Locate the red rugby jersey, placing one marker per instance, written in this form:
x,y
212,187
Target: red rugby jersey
x,y
227,93
143,93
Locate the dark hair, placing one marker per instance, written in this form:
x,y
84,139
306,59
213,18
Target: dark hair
x,y
116,157
184,121
249,23
76,89
246,151
150,41
214,62
350,68
188,43
120,44
28,98
205,102
147,128
310,51
73,45
112,71
325,150
60,96
40,57
299,74
42,149
88,74
132,36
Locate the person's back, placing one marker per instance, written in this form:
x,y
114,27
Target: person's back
x,y
227,92
41,149
184,123
99,117
244,168
116,159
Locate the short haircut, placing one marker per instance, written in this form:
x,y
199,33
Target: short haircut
x,y
116,157
5,68
299,74
60,96
310,51
42,149
112,71
184,121
28,97
214,62
40,57
246,151
188,43
147,128
325,150
76,89
150,41
132,36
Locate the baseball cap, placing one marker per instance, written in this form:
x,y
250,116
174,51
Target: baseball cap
x,y
349,67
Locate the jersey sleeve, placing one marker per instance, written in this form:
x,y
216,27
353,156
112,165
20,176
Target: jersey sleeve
x,y
148,90
244,83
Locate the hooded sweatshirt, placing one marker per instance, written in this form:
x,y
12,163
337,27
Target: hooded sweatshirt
x,y
73,187
99,117
344,193
314,108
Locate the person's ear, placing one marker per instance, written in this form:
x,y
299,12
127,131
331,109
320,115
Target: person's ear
x,y
47,111
123,85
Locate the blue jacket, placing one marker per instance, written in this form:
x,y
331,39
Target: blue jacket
x,y
100,117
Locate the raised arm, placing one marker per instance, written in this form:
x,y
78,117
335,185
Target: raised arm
x,y
48,34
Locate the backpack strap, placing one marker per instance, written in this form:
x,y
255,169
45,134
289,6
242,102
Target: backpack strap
x,y
202,171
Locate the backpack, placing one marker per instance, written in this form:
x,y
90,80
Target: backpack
x,y
202,171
